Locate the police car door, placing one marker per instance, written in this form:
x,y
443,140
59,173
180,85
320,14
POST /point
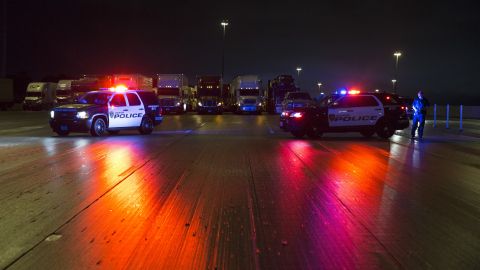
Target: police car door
x,y
117,111
136,109
340,113
354,110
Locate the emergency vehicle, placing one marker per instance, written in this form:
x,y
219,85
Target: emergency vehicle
x,y
349,111
99,112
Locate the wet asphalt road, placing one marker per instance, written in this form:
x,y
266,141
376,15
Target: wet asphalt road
x,y
234,192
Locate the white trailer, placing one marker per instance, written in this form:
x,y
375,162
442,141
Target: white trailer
x,y
133,81
40,95
246,94
171,90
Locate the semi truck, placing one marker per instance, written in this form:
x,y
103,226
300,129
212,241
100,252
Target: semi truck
x,y
245,94
7,97
172,90
39,96
90,83
64,92
276,91
209,94
133,81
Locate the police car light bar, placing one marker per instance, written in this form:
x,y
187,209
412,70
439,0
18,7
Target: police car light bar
x,y
353,92
119,88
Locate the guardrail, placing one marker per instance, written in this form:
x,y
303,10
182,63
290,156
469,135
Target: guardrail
x,y
448,112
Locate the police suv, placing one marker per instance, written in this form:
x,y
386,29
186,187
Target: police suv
x,y
351,111
99,112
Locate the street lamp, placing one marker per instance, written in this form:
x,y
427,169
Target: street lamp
x,y
298,71
224,24
397,55
394,83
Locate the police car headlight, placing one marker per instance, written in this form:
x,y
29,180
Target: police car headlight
x,y
52,114
199,103
82,115
219,104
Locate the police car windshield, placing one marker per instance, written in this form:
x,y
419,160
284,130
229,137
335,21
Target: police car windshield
x,y
299,96
95,98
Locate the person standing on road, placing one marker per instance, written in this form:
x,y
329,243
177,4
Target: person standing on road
x,y
420,105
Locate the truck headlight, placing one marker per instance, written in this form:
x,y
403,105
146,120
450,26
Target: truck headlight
x,y
219,104
82,115
52,114
259,104
200,104
178,103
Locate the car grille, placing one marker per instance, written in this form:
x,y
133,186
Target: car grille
x,y
249,101
209,103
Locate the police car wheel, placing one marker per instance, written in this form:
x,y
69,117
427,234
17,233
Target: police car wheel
x,y
384,130
146,127
314,134
367,133
298,133
99,127
62,133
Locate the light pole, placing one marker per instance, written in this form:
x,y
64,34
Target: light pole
x,y
224,24
3,71
394,84
298,75
319,86
397,55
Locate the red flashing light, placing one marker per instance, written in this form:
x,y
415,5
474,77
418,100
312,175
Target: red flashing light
x,y
119,88
388,97
353,92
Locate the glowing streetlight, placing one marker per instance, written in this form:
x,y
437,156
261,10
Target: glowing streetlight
x,y
298,71
224,24
394,83
397,55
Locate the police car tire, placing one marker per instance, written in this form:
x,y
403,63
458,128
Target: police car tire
x,y
384,130
367,133
298,133
314,134
146,127
62,133
99,127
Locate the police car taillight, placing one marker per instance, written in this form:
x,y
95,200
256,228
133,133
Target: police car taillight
x,y
285,114
296,115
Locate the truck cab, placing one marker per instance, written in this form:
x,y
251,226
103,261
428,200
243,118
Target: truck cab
x,y
64,93
276,92
40,95
170,90
209,95
245,94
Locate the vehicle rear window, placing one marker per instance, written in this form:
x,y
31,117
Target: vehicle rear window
x,y
357,101
148,98
133,99
118,100
299,96
95,98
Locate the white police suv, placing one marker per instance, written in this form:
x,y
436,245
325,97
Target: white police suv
x,y
99,112
350,111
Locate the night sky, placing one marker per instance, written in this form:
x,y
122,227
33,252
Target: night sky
x,y
339,43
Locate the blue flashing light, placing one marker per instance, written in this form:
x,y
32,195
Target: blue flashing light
x,y
343,92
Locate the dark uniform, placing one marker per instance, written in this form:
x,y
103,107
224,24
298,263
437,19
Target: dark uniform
x,y
420,112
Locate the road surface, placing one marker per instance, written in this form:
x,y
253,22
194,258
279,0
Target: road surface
x,y
234,192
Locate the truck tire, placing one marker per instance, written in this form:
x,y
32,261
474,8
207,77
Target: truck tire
x,y
298,133
99,127
385,130
146,127
367,133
